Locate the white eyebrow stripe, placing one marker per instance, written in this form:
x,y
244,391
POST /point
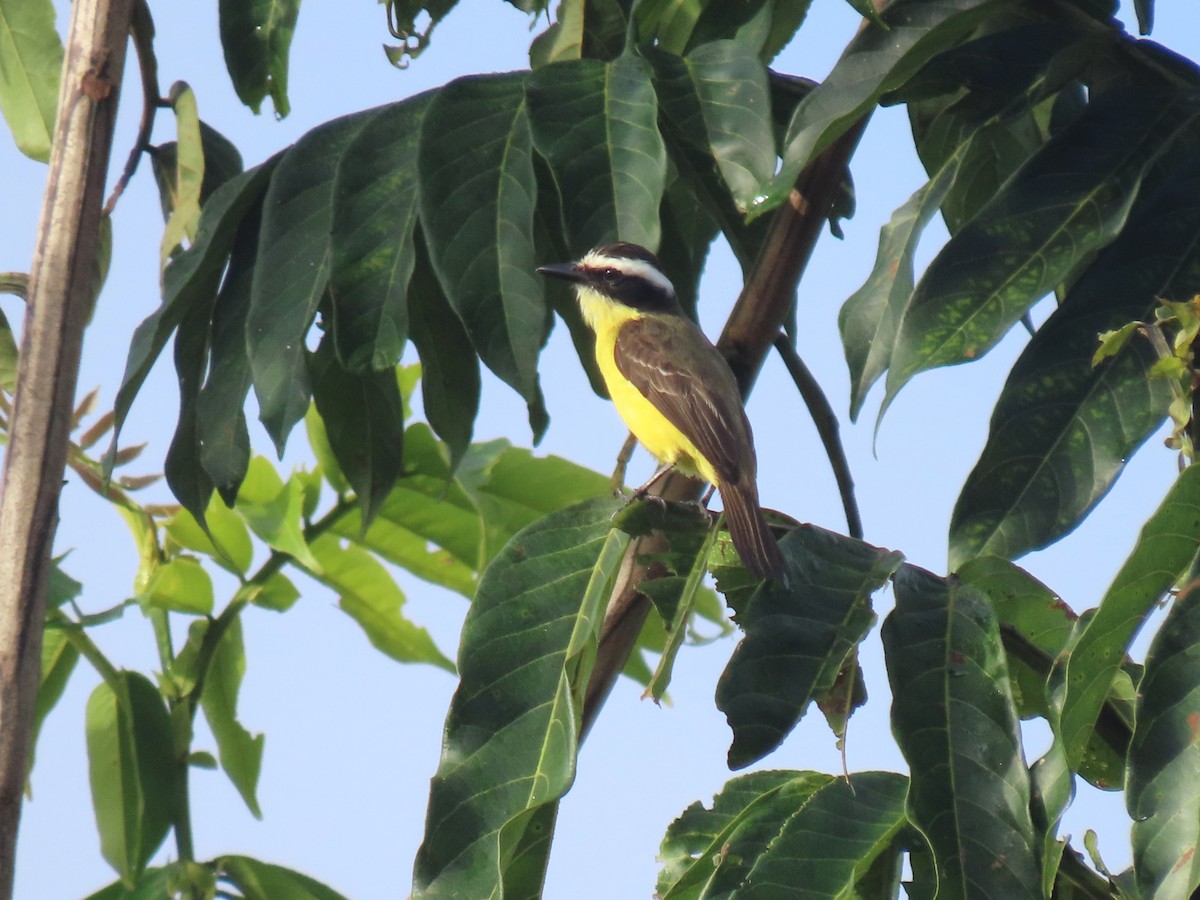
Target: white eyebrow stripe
x,y
636,268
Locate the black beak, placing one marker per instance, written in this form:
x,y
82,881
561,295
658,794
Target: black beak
x,y
565,271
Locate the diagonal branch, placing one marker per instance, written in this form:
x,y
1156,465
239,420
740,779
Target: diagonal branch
x,y
62,287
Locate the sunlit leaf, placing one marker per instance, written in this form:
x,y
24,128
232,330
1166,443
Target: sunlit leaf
x,y
239,750
264,881
33,57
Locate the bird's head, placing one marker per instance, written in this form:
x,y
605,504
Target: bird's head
x,y
621,274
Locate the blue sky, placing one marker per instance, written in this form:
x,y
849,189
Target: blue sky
x,y
353,737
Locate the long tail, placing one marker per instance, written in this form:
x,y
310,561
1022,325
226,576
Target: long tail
x,y
751,535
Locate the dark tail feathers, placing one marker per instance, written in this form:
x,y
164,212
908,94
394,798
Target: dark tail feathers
x,y
751,535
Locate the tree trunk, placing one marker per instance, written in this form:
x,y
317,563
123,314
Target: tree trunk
x,y
62,290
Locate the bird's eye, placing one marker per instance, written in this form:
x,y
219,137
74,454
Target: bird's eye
x,y
611,276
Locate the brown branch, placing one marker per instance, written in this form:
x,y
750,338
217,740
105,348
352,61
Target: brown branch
x,y
62,286
142,32
756,319
827,427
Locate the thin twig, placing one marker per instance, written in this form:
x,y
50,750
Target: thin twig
x,y
827,427
142,30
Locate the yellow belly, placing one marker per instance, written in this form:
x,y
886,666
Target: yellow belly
x,y
652,429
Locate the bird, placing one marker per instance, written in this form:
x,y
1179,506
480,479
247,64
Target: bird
x,y
672,387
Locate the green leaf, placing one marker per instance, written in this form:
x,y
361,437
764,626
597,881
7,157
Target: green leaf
x,y
256,37
450,383
1162,794
876,61
374,214
718,99
364,423
1145,15
1165,547
239,750
798,636
954,718
154,884
291,272
274,510
477,198
190,280
870,317
596,125
33,58
563,39
1066,201
59,657
132,771
180,585
276,593
512,731
369,595
221,432
1062,428
1038,622
815,833
9,355
263,881
189,173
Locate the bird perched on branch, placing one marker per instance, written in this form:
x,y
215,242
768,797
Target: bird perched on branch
x,y
672,386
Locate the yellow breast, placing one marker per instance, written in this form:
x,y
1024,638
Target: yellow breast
x,y
652,429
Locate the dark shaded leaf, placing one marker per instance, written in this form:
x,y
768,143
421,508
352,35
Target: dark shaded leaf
x,y
374,213
1062,428
513,727
804,833
1162,793
1165,547
596,125
876,61
256,37
190,280
798,636
955,721
450,382
292,271
131,770
477,202
1066,201
364,421
221,432
222,161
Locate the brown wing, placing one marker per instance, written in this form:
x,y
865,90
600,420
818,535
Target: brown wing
x,y
685,377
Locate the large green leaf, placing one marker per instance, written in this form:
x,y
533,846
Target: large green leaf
x,y
796,834
1165,547
798,636
132,771
512,731
477,200
258,880
1162,792
275,510
718,99
374,213
596,124
256,37
364,422
370,596
59,657
1063,428
190,280
32,55
1070,198
292,271
955,721
240,751
876,61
